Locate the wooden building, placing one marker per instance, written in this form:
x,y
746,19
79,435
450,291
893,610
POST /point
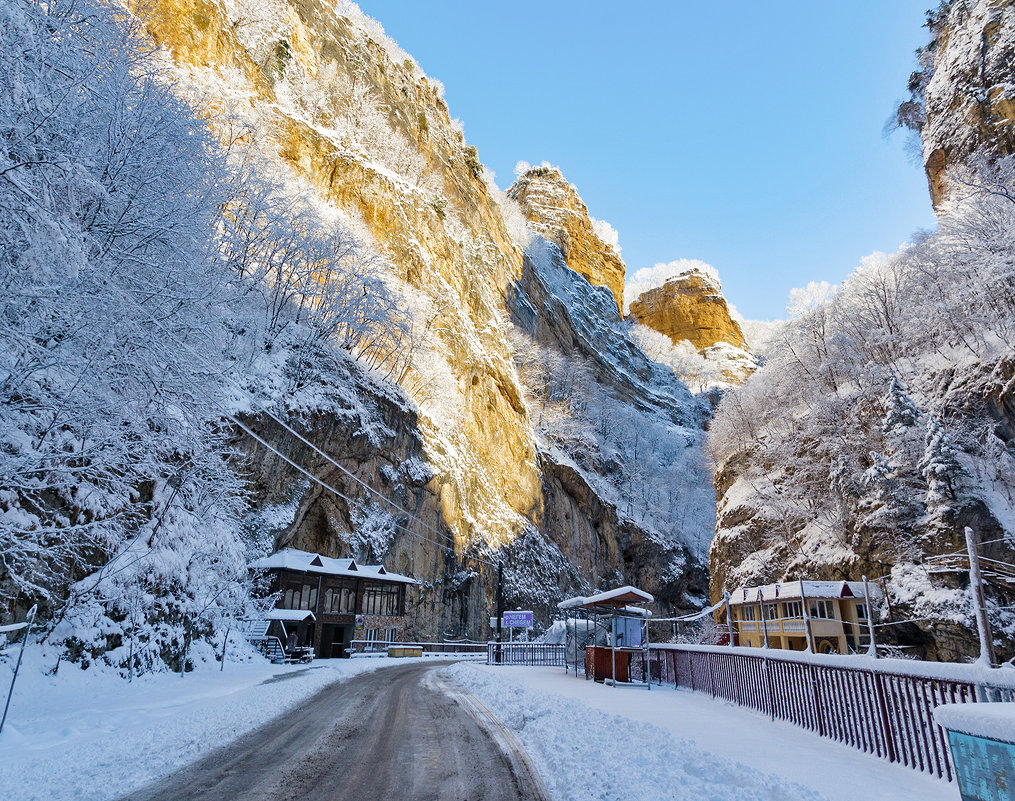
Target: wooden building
x,y
343,600
832,615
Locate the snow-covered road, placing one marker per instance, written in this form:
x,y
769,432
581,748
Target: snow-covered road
x,y
592,742
384,736
91,736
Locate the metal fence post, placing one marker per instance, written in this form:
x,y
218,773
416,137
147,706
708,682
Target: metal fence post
x,y
817,700
29,620
886,725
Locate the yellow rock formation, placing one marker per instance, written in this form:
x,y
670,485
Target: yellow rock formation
x,y
554,209
689,307
317,87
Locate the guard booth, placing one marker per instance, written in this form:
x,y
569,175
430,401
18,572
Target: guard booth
x,y
605,632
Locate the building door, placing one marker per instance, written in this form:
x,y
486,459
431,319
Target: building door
x,y
342,641
327,639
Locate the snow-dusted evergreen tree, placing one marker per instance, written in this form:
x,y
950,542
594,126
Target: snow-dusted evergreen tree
x,y
940,468
901,413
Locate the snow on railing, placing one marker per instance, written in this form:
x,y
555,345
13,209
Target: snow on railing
x,y
880,706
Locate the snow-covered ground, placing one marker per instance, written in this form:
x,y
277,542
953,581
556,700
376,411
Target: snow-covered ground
x,y
590,742
91,736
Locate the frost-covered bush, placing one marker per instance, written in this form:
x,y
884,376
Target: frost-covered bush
x,y
151,282
877,427
116,320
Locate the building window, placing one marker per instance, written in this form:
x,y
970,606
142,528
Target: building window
x,y
341,599
382,599
822,609
300,596
861,611
390,635
371,635
771,611
748,613
793,609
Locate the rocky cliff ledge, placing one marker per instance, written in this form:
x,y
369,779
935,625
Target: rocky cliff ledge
x,y
689,307
969,95
555,211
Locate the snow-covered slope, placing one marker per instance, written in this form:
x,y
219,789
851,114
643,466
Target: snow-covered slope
x,y
879,427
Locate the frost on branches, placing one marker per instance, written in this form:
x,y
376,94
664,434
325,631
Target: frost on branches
x,y
881,424
142,267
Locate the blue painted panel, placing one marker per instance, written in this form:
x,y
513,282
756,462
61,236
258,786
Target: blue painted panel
x,y
985,768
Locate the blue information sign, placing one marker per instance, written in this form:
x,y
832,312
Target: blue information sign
x,y
985,768
517,620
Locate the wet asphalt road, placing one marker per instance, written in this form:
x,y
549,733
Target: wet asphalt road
x,y
385,735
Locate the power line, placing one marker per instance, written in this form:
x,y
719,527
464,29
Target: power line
x,y
236,386
324,484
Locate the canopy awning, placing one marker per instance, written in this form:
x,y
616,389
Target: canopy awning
x,y
289,614
616,600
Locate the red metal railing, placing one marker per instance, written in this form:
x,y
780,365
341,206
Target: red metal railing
x,y
525,653
867,705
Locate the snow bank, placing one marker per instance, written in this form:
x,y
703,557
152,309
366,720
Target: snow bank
x,y
585,755
91,735
594,742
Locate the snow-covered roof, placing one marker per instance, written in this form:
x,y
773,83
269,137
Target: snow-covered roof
x,y
612,598
306,562
797,589
995,721
289,614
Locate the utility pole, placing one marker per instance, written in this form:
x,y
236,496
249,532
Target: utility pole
x,y
729,616
500,606
979,601
764,619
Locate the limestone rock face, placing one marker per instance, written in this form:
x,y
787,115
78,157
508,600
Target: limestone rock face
x,y
346,119
689,307
555,211
969,101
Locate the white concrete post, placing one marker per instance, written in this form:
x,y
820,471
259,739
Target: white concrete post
x,y
872,648
729,615
979,602
807,619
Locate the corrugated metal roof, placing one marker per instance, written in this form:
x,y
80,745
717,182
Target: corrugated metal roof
x,y
289,614
617,597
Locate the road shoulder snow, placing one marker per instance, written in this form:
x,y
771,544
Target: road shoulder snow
x,y
594,742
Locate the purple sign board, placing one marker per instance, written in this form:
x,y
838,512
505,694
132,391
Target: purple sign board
x,y
517,620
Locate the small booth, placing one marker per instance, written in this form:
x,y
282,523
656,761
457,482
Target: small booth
x,y
605,632
982,740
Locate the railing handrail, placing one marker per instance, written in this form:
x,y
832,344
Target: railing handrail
x,y
1000,678
460,646
544,654
883,707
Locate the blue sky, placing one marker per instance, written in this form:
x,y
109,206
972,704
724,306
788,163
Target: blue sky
x,y
744,134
